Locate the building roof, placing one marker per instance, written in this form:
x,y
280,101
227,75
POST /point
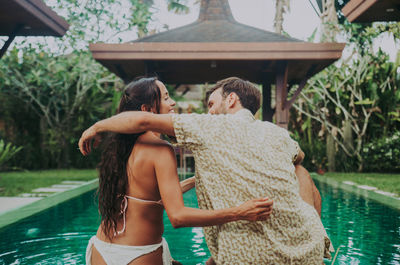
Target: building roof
x,y
31,18
217,31
215,47
372,10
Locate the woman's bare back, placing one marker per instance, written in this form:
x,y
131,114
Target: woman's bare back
x,y
144,220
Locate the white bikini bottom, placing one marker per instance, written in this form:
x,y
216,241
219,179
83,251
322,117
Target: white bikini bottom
x,y
114,254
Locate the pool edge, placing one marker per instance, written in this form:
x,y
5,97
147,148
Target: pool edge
x,y
12,216
369,194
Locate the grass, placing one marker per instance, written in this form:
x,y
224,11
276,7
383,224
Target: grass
x,y
15,183
385,182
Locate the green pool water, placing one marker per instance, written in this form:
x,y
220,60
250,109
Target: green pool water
x,y
367,232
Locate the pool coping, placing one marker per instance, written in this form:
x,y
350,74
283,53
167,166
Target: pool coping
x,y
14,215
393,202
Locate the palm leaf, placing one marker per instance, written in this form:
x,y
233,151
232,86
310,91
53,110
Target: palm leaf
x,y
177,7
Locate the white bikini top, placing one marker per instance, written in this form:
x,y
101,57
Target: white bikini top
x,y
124,206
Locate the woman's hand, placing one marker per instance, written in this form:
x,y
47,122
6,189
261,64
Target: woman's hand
x,y
86,139
255,210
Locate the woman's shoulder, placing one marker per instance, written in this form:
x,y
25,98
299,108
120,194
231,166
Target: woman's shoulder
x,y
154,143
159,151
163,144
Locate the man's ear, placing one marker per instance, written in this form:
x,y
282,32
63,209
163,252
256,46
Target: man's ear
x,y
232,99
145,107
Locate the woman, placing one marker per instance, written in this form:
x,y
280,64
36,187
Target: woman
x,y
138,180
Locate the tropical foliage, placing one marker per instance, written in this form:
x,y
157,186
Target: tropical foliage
x,y
51,89
383,154
7,151
64,94
355,101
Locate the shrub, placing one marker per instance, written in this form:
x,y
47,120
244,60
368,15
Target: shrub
x,y
383,155
315,155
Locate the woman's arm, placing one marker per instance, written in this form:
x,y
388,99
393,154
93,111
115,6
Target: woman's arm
x,y
127,122
181,216
188,184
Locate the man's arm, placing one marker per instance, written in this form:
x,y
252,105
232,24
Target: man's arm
x,y
128,122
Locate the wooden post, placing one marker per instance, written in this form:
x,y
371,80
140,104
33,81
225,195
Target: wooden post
x,y
267,111
281,113
122,73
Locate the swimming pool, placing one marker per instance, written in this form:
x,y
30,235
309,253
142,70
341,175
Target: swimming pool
x,y
368,232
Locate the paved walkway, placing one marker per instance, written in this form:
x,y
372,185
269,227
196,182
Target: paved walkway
x,y
10,203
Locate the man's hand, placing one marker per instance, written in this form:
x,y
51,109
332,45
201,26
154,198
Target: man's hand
x,y
86,140
210,261
255,210
188,184
299,159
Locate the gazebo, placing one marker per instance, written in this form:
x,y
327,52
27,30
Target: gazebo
x,y
28,18
372,10
215,47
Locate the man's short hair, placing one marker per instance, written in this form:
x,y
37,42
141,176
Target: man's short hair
x,y
247,92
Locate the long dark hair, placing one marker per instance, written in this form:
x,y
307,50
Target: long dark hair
x,y
113,177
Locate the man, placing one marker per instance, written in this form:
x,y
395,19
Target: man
x,y
216,100
237,158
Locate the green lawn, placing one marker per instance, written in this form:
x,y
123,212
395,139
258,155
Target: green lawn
x,y
14,183
385,182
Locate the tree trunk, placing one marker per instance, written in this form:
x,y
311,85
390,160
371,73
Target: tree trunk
x,y
348,136
43,137
358,153
278,21
65,153
329,20
330,153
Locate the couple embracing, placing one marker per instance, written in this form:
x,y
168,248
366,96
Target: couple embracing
x,y
257,205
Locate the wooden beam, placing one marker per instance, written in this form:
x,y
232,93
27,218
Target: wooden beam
x,y
372,10
281,114
46,15
288,103
217,51
10,39
355,8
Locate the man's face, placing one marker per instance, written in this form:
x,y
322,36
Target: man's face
x,y
217,103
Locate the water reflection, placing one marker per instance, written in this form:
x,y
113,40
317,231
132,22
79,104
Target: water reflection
x,y
368,233
363,227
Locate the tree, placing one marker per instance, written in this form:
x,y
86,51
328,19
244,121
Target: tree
x,y
62,91
329,21
350,96
281,7
65,92
110,20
